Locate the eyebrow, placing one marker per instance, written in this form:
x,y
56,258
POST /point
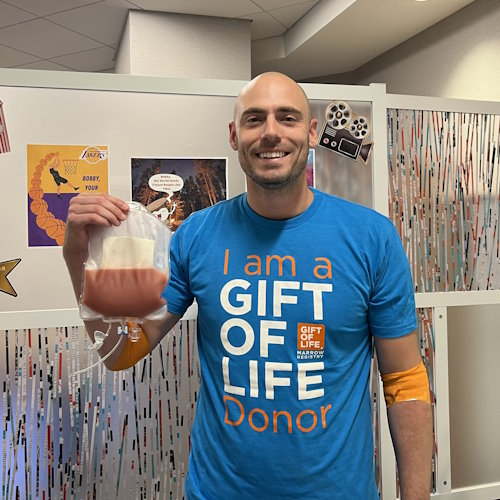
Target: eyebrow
x,y
282,109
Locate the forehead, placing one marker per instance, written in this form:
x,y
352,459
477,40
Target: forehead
x,y
271,93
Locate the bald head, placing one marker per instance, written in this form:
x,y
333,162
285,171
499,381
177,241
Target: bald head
x,y
272,80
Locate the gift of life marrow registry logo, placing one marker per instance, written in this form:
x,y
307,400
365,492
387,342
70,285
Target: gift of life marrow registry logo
x,y
270,297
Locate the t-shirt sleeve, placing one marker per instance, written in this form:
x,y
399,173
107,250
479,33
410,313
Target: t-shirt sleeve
x,y
177,292
391,310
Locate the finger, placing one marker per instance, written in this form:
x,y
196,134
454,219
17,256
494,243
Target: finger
x,y
93,214
101,198
96,208
91,198
90,219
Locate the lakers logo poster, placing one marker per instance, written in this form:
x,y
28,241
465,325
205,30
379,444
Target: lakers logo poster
x,y
55,175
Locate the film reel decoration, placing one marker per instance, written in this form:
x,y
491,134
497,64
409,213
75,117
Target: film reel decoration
x,y
360,127
339,114
344,132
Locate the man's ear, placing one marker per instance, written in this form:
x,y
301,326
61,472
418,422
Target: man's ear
x,y
313,133
233,139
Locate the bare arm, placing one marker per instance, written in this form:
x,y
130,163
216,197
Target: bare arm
x,y
410,422
101,210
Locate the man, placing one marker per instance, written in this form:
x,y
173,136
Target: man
x,y
292,285
58,178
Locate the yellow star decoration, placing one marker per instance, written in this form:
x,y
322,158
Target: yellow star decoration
x,y
5,268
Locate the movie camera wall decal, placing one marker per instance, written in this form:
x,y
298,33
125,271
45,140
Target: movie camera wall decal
x,y
345,133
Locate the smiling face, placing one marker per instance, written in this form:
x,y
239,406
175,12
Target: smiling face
x,y
272,131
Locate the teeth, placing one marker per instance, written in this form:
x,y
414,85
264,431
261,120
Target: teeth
x,y
272,154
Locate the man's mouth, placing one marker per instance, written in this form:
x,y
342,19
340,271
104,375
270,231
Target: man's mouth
x,y
272,154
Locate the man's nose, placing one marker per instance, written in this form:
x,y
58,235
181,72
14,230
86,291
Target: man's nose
x,y
271,129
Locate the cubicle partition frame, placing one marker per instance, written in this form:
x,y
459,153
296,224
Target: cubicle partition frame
x,y
439,303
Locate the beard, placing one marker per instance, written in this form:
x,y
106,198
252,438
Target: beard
x,y
274,180
278,181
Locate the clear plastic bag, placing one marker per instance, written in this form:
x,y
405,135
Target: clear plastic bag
x,y
126,270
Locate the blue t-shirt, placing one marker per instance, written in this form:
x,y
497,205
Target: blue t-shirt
x,y
286,314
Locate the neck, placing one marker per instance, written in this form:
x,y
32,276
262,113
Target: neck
x,y
279,204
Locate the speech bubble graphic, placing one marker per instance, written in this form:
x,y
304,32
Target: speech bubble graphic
x,y
166,183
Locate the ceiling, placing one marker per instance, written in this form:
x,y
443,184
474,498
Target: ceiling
x,y
303,38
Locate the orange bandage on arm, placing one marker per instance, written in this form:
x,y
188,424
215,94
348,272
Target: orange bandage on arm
x,y
410,385
132,351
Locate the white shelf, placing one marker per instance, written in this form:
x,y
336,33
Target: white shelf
x,y
451,299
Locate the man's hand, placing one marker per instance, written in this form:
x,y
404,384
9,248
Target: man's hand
x,y
90,209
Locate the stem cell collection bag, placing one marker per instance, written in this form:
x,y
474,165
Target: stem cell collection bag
x,y
127,269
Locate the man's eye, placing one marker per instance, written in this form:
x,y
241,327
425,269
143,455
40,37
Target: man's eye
x,y
252,121
289,118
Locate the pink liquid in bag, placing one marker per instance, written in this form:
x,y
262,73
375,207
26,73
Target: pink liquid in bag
x,y
118,293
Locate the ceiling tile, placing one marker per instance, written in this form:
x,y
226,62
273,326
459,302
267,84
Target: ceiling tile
x,y
268,5
46,7
101,21
90,60
220,8
290,15
43,65
45,39
10,57
264,26
10,15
